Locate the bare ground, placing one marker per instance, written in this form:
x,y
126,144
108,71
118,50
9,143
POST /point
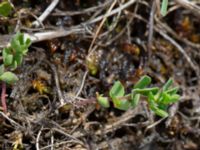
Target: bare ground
x,y
53,105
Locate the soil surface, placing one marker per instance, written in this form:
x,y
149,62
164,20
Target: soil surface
x,y
53,106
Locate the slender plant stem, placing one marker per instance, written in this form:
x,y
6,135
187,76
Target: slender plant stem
x,y
3,97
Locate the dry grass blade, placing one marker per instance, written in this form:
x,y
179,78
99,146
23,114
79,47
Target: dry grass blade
x,y
100,26
179,48
45,13
189,5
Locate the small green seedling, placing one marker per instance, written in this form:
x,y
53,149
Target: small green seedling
x,y
158,99
13,54
12,57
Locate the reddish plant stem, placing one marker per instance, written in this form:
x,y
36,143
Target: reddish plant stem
x,y
3,96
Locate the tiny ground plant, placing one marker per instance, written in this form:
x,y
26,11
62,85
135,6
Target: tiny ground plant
x,y
12,57
164,6
5,8
158,99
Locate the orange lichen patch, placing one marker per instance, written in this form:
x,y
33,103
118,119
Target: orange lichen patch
x,y
53,45
139,72
131,48
185,27
40,86
186,24
195,38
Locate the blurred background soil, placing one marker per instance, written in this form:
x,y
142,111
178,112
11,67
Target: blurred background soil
x,y
53,105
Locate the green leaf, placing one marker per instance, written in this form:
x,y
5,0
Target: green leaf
x,y
7,58
19,36
170,99
134,99
121,104
5,8
20,43
8,77
117,90
154,107
103,101
14,65
174,98
167,84
151,100
146,91
163,106
24,49
172,91
164,6
8,50
15,43
23,41
28,41
2,68
161,112
18,59
165,98
143,82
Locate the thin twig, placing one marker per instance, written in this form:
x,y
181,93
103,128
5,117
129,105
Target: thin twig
x,y
82,85
52,141
84,11
112,26
67,135
195,9
172,111
100,26
175,35
114,11
60,95
3,96
151,25
47,35
10,120
179,48
174,43
124,29
120,122
38,139
60,143
42,36
154,124
44,15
